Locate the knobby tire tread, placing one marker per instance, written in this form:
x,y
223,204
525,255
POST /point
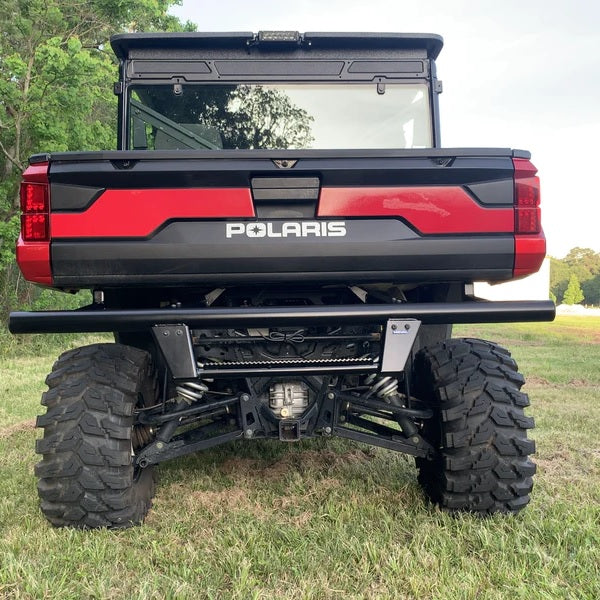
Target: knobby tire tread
x,y
86,477
479,428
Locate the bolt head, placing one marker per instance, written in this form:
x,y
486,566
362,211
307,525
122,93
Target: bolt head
x,y
245,397
327,430
248,433
331,395
394,326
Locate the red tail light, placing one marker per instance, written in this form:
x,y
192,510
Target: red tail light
x,y
34,228
530,243
33,246
34,197
527,198
35,204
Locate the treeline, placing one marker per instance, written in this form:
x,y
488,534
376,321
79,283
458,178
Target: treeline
x,y
575,279
56,94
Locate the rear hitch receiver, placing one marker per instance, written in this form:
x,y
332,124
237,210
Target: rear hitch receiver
x,y
289,430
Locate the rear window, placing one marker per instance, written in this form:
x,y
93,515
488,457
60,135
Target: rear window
x,y
279,116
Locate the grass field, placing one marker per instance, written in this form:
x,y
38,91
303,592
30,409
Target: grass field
x,y
325,520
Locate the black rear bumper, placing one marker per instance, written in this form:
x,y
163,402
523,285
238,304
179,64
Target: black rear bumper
x,y
92,319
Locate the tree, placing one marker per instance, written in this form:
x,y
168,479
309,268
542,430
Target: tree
x,y
591,290
584,263
585,258
56,76
559,277
573,294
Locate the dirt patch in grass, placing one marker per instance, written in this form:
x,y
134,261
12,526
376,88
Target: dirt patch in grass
x,y
533,380
240,496
576,333
224,501
578,383
554,464
302,519
536,380
9,430
565,463
218,504
309,460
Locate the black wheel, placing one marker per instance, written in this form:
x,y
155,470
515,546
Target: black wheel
x,y
86,475
479,428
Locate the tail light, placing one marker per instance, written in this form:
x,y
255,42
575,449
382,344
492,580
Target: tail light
x,y
530,243
527,198
35,204
33,246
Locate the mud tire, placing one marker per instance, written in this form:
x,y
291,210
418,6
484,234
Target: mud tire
x,y
86,478
479,428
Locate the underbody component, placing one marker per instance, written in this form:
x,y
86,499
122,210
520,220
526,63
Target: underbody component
x,y
288,399
329,413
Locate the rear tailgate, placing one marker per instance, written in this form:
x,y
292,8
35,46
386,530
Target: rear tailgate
x,y
173,218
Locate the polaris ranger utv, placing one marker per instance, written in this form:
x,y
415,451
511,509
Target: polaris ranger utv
x,y
280,246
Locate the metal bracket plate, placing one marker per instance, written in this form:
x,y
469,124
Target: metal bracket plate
x,y
400,335
175,343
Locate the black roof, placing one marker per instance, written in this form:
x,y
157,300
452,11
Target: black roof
x,y
122,44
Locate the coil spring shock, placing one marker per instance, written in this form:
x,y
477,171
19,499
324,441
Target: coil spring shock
x,y
386,388
383,387
141,436
191,391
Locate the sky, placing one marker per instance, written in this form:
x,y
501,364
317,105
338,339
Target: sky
x,y
521,74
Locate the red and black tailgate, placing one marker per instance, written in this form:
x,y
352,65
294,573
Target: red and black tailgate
x,y
175,218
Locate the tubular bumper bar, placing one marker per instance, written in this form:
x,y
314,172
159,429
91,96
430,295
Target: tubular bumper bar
x,y
95,319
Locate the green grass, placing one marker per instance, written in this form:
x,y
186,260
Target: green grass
x,y
326,519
